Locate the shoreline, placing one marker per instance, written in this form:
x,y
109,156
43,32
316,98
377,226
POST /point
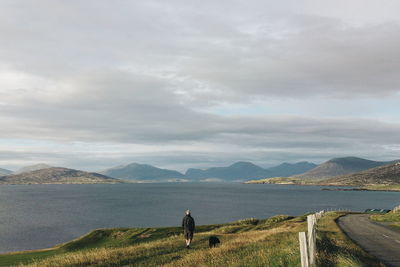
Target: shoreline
x,y
355,188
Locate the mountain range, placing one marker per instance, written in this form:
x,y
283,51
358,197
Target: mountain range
x,y
239,171
57,175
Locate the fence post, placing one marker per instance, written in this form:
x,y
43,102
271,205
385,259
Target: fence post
x,y
396,209
311,239
303,249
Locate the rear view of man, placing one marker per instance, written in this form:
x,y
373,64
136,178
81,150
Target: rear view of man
x,y
188,228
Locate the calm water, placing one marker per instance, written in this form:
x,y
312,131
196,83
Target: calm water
x,y
39,216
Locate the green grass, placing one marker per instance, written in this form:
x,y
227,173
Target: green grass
x,y
393,218
383,187
248,242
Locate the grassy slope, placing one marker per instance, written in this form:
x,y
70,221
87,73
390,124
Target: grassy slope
x,y
392,217
251,242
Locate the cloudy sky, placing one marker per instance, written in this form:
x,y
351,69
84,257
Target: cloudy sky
x,y
177,84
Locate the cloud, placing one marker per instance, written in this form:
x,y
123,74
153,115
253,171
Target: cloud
x,y
311,83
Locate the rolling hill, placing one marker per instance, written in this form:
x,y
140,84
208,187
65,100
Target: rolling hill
x,y
339,166
382,175
57,175
142,172
5,172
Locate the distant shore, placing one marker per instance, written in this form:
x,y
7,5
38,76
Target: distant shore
x,y
297,181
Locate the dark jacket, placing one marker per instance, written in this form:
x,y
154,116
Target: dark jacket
x,y
188,223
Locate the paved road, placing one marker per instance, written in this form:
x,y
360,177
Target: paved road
x,y
376,239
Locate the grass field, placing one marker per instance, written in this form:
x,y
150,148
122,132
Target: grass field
x,y
249,242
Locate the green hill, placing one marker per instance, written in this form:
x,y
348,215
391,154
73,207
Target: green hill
x,y
249,242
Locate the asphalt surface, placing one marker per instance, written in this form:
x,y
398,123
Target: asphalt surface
x,y
378,240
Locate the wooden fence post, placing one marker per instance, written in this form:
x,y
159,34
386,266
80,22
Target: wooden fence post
x,y
303,249
311,239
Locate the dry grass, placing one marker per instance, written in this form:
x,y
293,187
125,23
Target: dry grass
x,y
271,247
271,242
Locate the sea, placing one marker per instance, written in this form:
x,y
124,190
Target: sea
x,y
41,216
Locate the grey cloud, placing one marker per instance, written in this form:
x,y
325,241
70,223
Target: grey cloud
x,y
150,72
236,54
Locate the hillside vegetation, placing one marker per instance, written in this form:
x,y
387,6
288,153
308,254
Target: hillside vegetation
x,y
385,178
249,242
386,175
340,166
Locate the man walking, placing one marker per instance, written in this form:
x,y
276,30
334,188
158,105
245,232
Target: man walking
x,y
188,228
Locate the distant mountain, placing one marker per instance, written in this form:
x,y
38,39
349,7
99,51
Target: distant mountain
x,y
57,175
142,172
33,168
5,172
238,171
246,170
340,166
382,175
289,169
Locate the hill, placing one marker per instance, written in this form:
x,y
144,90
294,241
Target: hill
x,y
57,175
35,167
142,172
238,171
5,172
289,169
386,175
339,166
248,242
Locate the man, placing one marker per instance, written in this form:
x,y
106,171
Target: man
x,y
188,228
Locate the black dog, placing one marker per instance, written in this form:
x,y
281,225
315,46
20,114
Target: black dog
x,y
213,241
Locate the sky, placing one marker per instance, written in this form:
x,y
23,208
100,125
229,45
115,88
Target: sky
x,y
94,84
